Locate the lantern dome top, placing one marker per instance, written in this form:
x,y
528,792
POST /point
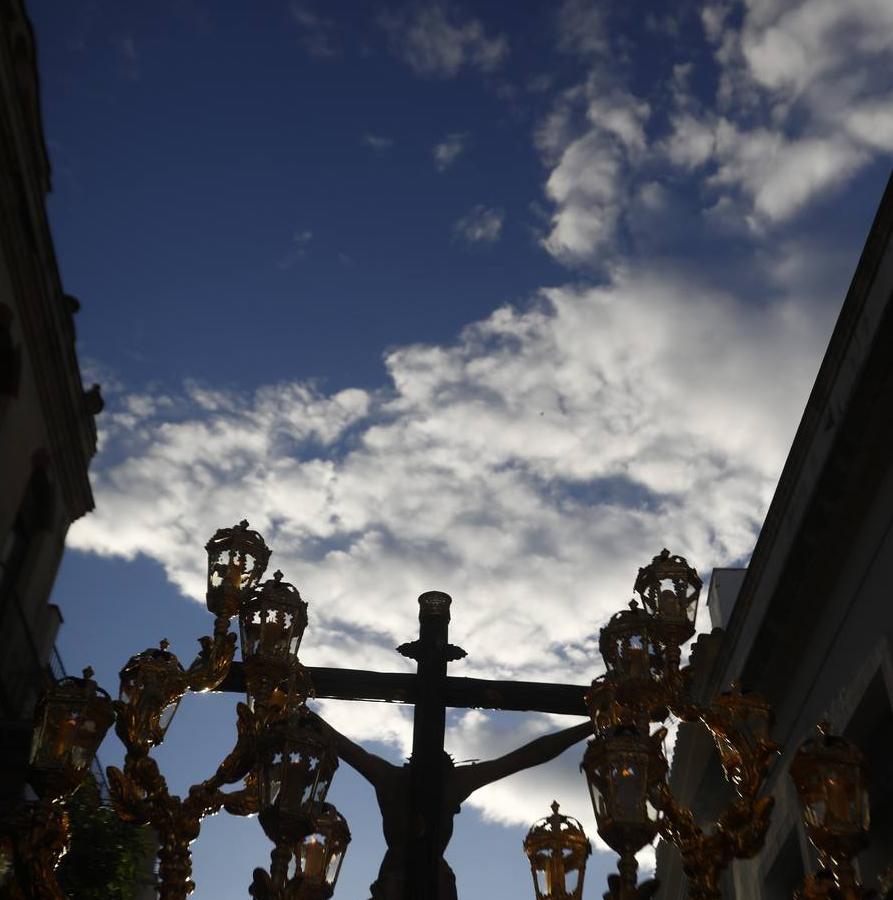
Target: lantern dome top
x,y
276,593
330,822
556,828
240,538
158,659
826,749
667,572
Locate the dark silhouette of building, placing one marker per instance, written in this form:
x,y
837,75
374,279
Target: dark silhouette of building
x,y
809,622
47,432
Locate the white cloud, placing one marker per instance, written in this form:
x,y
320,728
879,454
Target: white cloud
x,y
805,98
380,143
803,104
449,149
433,42
482,225
528,469
591,137
582,28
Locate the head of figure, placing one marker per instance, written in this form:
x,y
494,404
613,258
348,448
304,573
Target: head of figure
x,y
447,763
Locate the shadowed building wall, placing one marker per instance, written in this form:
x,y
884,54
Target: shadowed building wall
x,y
809,624
47,432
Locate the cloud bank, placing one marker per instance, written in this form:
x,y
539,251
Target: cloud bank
x,y
531,465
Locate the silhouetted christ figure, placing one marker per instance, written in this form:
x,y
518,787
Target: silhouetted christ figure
x,y
392,789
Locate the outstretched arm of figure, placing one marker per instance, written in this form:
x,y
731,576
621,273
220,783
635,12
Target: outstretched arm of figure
x,y
373,768
468,778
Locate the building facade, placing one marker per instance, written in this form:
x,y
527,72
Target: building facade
x,y
47,430
808,624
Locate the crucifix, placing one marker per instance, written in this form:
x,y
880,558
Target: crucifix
x,y
430,691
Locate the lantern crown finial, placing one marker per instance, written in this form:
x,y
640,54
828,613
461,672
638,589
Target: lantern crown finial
x,y
237,560
557,848
669,589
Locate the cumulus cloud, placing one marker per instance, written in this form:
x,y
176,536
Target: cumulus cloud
x,y
802,105
434,42
796,115
482,225
449,149
528,469
533,464
591,136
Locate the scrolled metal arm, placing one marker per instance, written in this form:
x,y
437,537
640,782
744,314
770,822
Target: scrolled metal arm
x,y
140,795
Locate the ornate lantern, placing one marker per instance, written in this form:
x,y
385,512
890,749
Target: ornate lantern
x,y
625,768
152,685
296,767
237,560
831,778
635,663
272,622
557,848
670,588
739,722
320,854
71,720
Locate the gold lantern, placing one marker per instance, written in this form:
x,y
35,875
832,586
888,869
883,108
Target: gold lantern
x,y
272,622
557,848
670,588
237,560
625,769
740,722
296,764
71,720
635,663
831,778
152,684
319,855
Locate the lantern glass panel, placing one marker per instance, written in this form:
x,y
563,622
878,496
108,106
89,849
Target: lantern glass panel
x,y
313,858
271,782
571,879
634,653
599,804
251,624
843,798
629,789
544,876
669,605
167,715
333,869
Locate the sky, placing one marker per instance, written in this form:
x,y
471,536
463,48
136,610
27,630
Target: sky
x,y
496,299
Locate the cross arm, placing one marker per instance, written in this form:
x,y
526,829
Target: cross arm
x,y
460,693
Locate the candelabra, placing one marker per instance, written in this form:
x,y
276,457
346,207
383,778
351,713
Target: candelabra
x,y
280,758
282,762
626,768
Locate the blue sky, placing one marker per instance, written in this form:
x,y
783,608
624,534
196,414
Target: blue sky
x,y
491,298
